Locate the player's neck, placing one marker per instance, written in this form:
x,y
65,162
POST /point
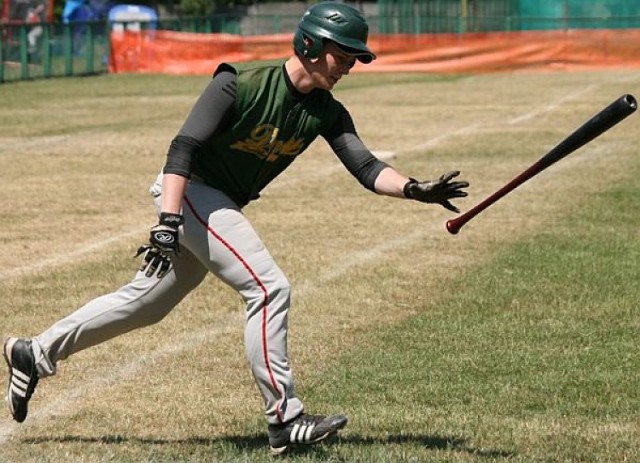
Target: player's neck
x,y
299,75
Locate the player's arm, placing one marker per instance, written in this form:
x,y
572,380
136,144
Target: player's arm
x,y
209,115
173,188
380,177
390,182
356,157
371,172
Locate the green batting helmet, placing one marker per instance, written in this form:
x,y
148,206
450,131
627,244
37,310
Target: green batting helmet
x,y
340,23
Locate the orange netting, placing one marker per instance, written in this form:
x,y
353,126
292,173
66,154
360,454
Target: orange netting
x,y
171,52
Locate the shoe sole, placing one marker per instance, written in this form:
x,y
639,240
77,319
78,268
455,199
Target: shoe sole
x,y
275,451
8,347
6,351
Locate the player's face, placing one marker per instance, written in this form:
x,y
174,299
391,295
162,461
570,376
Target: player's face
x,y
335,63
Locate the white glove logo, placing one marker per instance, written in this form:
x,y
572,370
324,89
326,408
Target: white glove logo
x,y
164,237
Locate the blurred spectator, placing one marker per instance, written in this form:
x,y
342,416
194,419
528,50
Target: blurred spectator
x,y
34,16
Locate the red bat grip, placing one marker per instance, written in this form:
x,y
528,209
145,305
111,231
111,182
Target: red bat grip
x,y
454,225
597,125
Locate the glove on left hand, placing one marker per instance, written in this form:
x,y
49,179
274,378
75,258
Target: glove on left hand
x,y
438,191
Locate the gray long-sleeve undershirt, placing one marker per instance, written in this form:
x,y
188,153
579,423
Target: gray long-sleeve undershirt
x,y
213,110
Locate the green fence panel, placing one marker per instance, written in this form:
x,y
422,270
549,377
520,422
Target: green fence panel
x,y
24,55
54,50
46,51
89,50
578,14
436,16
1,55
444,16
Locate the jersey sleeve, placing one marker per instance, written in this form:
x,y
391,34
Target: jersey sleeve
x,y
210,114
356,157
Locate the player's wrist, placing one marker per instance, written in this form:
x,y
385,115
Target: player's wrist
x,y
406,190
171,219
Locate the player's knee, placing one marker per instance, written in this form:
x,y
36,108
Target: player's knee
x,y
273,292
280,289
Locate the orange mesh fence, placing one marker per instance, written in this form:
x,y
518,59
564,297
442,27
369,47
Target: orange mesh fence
x,y
171,52
574,49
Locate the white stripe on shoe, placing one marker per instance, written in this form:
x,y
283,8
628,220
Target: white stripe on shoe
x,y
19,382
307,434
301,434
295,433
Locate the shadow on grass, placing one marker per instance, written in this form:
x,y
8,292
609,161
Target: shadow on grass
x,y
455,444
259,442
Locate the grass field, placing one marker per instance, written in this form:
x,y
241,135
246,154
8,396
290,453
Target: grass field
x,y
514,341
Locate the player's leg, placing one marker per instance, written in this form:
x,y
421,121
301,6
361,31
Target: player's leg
x,y
143,301
237,255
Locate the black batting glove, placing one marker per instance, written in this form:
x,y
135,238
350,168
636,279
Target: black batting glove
x,y
153,260
438,191
164,236
163,245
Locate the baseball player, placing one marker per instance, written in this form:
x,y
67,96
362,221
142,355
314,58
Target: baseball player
x,y
249,124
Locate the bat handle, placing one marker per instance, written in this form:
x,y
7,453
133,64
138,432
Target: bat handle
x,y
454,225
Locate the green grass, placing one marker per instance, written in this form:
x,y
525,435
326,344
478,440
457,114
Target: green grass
x,y
515,340
533,356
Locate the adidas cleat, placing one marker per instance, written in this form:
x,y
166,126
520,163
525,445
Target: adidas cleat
x,y
23,376
305,429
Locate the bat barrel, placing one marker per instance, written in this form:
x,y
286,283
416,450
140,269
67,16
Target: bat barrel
x,y
631,102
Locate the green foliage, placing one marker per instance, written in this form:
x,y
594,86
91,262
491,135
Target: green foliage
x,y
197,7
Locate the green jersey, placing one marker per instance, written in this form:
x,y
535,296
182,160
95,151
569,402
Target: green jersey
x,y
269,126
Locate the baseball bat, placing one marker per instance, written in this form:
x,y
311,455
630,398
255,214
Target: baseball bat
x,y
594,127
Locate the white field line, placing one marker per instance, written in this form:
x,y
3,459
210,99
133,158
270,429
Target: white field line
x,y
305,289
64,402
447,136
552,107
68,258
13,145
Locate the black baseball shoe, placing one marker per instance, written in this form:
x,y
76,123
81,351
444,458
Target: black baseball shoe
x,y
23,376
305,429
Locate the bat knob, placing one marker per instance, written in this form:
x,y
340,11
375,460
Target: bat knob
x,y
452,228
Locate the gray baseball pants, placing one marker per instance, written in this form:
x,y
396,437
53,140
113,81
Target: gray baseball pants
x,y
216,237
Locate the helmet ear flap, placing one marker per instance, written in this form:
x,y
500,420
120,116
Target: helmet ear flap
x,y
307,45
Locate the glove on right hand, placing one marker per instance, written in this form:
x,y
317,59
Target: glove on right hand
x,y
153,260
163,245
164,236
